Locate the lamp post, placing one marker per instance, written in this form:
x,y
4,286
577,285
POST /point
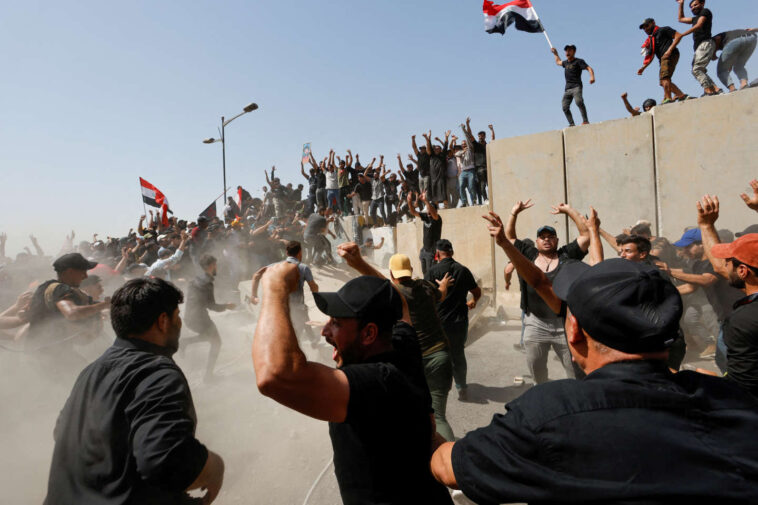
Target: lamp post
x,y
247,108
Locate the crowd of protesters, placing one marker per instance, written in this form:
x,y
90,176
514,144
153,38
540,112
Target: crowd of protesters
x,y
624,326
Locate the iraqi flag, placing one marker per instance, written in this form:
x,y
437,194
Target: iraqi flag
x,y
153,197
499,17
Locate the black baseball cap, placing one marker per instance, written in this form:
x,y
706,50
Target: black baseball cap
x,y
444,245
647,22
73,260
369,298
753,228
547,228
625,305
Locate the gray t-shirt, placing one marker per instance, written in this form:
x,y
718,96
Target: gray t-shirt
x,y
305,276
377,189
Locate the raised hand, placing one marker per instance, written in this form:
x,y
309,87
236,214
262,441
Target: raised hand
x,y
521,206
752,201
351,253
593,221
561,208
496,228
490,127
624,94
707,210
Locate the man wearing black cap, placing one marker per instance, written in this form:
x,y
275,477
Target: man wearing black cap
x,y
453,309
543,327
659,44
630,431
61,300
376,400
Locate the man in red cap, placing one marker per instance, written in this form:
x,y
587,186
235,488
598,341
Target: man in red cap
x,y
738,262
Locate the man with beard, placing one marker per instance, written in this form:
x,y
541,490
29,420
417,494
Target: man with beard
x,y
200,299
737,262
704,46
376,400
127,432
543,328
479,147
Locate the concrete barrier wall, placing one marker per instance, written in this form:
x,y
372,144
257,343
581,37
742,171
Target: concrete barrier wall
x,y
652,167
521,168
611,166
706,146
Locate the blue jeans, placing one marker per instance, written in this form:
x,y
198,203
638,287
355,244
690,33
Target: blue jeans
x,y
467,180
734,56
333,198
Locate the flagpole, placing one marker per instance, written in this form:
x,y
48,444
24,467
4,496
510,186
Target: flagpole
x,y
543,28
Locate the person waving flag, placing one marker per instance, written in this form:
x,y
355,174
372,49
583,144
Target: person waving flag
x,y
499,17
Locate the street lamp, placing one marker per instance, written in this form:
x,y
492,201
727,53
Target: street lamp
x,y
247,108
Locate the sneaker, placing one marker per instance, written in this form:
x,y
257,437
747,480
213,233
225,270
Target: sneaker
x,y
683,98
709,352
463,394
667,100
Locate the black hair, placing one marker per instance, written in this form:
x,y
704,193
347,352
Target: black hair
x,y
293,247
642,243
569,46
649,103
735,262
482,133
206,260
136,305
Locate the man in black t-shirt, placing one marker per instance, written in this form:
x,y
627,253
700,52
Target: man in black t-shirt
x,y
126,434
543,327
573,70
479,148
423,162
376,400
660,39
453,310
705,47
432,230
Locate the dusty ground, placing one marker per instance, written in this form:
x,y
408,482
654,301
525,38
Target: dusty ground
x,y
272,454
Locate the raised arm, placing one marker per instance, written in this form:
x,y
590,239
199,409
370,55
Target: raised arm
x,y
558,60
268,181
467,131
752,201
36,246
302,171
492,130
429,207
413,144
528,271
400,164
707,214
428,138
411,207
349,159
583,240
683,19
596,245
610,239
631,110
282,371
518,208
312,161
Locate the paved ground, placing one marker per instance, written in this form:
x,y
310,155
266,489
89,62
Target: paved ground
x,y
272,454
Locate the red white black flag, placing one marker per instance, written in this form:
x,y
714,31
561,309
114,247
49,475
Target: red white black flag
x,y
151,195
499,17
210,211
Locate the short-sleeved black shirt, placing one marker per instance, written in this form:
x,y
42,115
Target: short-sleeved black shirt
x,y
480,154
529,296
453,308
390,189
364,191
573,71
312,184
382,449
423,164
127,432
741,339
432,230
630,432
704,33
720,294
422,297
412,177
663,38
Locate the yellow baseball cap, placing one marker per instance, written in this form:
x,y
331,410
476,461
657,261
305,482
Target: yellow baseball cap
x,y
400,266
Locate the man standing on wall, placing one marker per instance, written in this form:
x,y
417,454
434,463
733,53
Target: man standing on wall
x,y
479,148
574,67
453,309
705,47
660,39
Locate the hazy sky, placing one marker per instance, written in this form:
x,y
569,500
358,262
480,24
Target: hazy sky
x,y
96,94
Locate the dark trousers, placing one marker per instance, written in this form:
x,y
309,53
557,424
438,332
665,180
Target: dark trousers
x,y
438,372
574,94
206,332
427,260
457,334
